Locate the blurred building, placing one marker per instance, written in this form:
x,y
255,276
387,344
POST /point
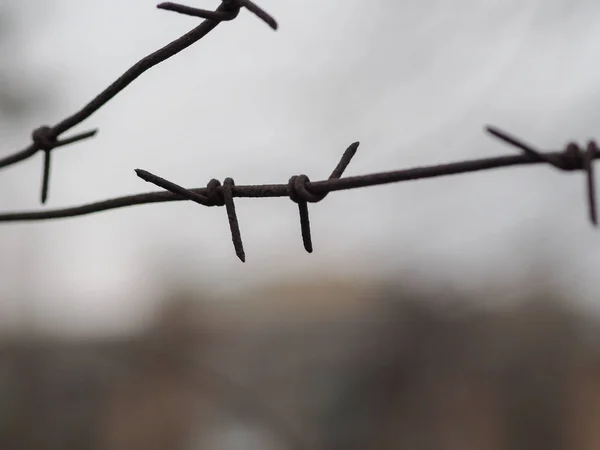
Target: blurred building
x,y
332,365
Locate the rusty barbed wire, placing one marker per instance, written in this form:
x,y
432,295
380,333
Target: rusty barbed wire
x,y
302,191
299,188
45,138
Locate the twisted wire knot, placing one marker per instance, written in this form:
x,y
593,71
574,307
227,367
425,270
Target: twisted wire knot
x,y
214,194
574,157
44,138
298,190
232,5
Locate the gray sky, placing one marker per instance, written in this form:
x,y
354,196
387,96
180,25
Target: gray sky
x,y
413,81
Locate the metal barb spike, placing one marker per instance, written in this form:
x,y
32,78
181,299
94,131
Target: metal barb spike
x,y
171,187
46,176
197,12
588,167
234,226
526,148
77,137
260,13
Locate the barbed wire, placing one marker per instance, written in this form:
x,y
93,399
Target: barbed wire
x,y
303,191
299,188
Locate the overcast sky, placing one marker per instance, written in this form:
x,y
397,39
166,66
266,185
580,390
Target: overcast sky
x,y
413,81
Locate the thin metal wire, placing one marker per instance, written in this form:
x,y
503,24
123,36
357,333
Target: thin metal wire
x,y
281,190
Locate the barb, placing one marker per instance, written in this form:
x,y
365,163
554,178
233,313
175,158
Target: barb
x,y
299,187
300,193
527,149
214,197
227,10
591,151
232,9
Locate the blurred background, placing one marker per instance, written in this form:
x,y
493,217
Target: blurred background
x,y
452,313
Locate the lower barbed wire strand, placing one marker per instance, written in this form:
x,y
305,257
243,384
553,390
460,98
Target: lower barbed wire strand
x,y
281,190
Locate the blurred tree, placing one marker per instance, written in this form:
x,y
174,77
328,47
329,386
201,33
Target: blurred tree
x,y
23,94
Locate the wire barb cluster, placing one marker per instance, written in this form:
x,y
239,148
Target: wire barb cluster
x,y
222,195
299,188
572,158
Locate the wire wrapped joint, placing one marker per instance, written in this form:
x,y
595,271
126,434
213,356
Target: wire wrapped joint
x,y
215,194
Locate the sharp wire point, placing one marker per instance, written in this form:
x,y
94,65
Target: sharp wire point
x,y
588,167
260,13
526,148
46,176
234,226
76,138
197,12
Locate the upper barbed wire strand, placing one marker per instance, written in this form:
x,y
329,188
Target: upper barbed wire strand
x,y
131,75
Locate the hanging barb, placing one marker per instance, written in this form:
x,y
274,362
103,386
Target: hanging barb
x,y
234,226
588,166
45,176
299,192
